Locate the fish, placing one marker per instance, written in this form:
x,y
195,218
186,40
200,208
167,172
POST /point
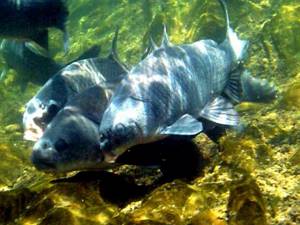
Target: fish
x,y
180,90
70,140
69,81
30,20
32,64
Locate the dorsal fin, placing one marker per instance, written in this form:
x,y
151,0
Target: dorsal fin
x,y
113,52
151,47
165,39
153,44
237,46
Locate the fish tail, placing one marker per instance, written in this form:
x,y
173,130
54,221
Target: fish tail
x,y
257,90
237,46
243,87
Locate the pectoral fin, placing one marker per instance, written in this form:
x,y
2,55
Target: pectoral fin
x,y
41,38
185,125
37,49
220,111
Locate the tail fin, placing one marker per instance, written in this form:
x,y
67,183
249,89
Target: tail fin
x,y
237,46
242,87
257,90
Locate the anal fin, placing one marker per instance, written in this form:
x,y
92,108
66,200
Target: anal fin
x,y
220,111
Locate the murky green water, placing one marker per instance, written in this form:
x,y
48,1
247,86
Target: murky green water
x,y
254,179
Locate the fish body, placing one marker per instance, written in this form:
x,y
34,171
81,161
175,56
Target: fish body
x,y
171,82
31,65
173,90
71,80
30,19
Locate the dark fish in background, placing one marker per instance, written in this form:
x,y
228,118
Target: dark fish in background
x,y
175,88
71,80
33,64
30,19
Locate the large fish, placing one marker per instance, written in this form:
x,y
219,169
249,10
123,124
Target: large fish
x,y
32,64
30,19
180,90
69,81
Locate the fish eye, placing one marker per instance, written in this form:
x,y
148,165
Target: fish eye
x,y
102,138
61,145
42,106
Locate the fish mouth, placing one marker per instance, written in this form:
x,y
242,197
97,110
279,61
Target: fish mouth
x,y
43,165
33,133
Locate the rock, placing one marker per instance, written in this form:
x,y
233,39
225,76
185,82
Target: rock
x,y
246,205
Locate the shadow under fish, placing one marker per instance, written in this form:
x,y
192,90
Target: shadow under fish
x,y
30,20
175,158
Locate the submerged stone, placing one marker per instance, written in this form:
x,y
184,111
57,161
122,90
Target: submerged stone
x,y
246,205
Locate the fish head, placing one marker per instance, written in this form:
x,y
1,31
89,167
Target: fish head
x,y
36,117
43,107
122,124
116,140
70,141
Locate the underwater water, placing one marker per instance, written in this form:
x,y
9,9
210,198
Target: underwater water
x,y
250,177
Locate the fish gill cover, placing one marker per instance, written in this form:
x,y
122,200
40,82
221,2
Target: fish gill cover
x,y
252,177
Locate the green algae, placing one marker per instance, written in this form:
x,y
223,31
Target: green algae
x,y
251,178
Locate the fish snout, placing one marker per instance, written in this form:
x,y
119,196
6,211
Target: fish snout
x,y
43,155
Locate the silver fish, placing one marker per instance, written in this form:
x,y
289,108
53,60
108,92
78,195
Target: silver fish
x,y
71,80
175,88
